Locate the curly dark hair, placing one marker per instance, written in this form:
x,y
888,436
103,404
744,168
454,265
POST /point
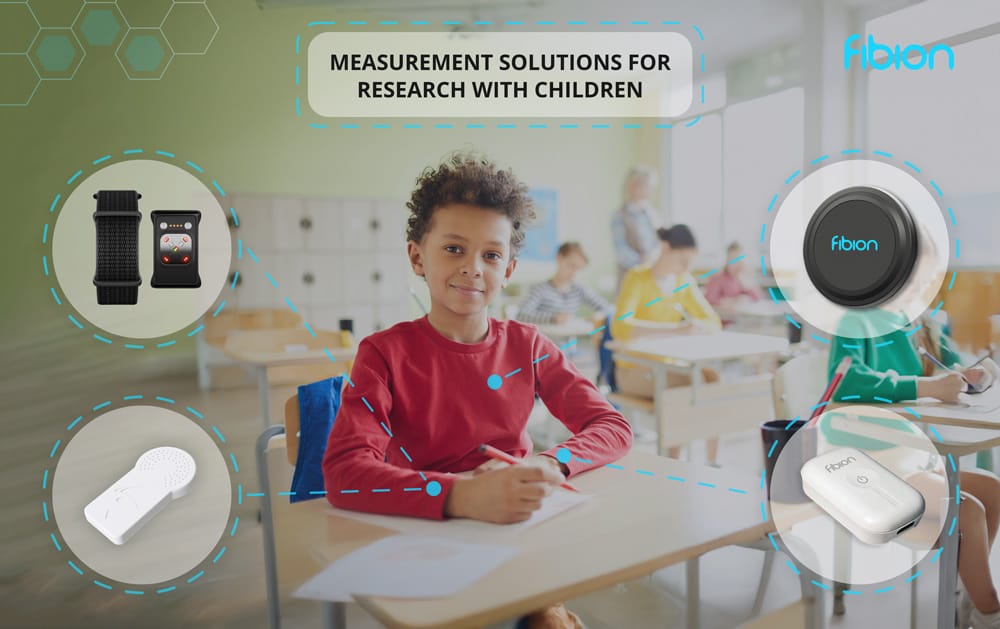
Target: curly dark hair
x,y
469,178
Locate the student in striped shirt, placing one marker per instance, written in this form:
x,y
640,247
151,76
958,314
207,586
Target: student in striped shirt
x,y
557,300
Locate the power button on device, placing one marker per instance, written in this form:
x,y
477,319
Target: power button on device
x,y
860,247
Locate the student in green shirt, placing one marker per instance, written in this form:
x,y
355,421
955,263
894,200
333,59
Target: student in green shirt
x,y
889,368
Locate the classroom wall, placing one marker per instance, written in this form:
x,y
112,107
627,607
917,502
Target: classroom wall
x,y
233,111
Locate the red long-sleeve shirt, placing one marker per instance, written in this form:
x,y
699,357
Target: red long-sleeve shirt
x,y
421,405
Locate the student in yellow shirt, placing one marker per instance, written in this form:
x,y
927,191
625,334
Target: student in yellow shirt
x,y
664,299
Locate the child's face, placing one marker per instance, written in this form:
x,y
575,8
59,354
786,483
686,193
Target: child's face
x,y
571,263
465,257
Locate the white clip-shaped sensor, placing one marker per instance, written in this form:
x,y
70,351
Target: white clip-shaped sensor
x,y
160,476
868,499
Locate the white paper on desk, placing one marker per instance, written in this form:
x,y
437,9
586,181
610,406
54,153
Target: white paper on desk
x,y
406,566
558,502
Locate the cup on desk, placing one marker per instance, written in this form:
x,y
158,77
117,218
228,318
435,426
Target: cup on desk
x,y
786,485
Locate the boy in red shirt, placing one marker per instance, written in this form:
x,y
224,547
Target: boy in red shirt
x,y
426,393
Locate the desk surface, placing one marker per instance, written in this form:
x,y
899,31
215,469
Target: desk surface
x,y
295,357
971,411
636,523
701,347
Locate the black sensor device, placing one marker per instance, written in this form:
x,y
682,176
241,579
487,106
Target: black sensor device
x,y
860,247
116,222
175,249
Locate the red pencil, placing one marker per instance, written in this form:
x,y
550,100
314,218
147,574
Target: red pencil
x,y
500,455
838,375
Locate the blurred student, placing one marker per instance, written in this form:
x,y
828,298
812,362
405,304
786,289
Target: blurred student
x,y
422,400
634,225
666,300
557,300
729,286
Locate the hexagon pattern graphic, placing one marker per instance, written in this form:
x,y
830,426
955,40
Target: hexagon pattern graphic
x,y
56,53
100,24
144,53
55,13
190,28
19,80
48,39
18,27
144,13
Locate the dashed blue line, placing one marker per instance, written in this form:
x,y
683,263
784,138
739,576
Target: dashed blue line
x,y
380,491
45,233
406,454
73,423
912,165
386,429
219,309
698,30
704,484
850,151
625,316
309,329
134,592
218,434
70,181
708,274
936,188
682,287
236,220
329,354
913,576
884,590
236,467
196,330
74,567
793,176
795,323
102,339
291,306
614,467
195,166
789,563
101,159
194,412
539,359
253,256
196,577
128,398
134,346
645,472
773,446
851,592
101,584
165,399
73,320
516,371
677,479
166,154
693,122
821,339
52,208
937,554
52,535
370,409
883,154
763,231
651,302
883,400
820,585
937,309
101,405
236,524
167,589
884,343
820,159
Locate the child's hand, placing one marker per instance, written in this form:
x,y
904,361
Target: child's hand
x,y
945,386
561,318
978,377
502,496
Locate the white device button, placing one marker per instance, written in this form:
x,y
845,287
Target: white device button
x,y
160,476
863,477
163,225
187,225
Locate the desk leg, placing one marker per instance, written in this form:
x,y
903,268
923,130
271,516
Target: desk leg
x,y
659,384
334,616
693,594
948,566
264,393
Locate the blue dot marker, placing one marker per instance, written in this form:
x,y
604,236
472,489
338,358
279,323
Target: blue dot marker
x,y
494,382
563,455
433,488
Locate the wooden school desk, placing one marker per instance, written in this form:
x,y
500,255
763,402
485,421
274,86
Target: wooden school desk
x,y
261,361
688,354
651,513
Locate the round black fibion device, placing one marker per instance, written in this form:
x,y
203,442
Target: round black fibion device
x,y
860,247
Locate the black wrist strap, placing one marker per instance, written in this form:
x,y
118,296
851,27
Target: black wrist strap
x,y
117,221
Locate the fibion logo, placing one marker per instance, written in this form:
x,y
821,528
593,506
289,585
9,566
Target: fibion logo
x,y
878,56
832,467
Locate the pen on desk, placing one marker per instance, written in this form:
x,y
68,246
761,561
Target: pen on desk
x,y
500,455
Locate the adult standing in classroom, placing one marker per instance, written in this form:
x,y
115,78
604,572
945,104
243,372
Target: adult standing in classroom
x,y
634,225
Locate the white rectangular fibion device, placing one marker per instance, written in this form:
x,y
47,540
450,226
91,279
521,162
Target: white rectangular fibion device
x,y
868,499
160,476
